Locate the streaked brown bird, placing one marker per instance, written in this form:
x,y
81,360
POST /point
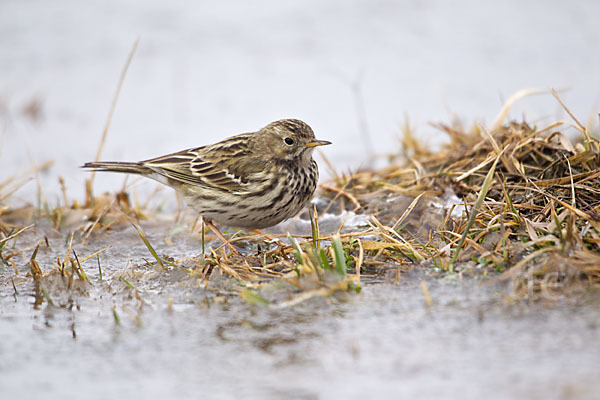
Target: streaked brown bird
x,y
253,180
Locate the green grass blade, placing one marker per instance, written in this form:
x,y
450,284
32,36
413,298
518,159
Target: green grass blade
x,y
127,283
324,260
340,257
254,298
148,245
116,316
314,227
315,261
298,252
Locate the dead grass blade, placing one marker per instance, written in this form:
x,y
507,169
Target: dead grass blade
x,y
113,106
17,233
484,190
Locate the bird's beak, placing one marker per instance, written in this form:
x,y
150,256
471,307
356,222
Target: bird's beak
x,y
316,143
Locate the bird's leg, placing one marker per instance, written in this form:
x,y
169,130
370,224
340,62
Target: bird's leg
x,y
222,237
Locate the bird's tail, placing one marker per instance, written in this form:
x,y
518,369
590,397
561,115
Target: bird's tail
x,y
118,166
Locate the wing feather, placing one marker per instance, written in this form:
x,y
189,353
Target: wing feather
x,y
224,165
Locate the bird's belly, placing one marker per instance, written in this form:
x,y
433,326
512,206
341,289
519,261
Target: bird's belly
x,y
247,211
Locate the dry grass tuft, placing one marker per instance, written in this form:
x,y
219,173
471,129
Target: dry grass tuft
x,y
532,201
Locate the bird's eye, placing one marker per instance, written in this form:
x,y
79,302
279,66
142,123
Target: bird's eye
x,y
288,141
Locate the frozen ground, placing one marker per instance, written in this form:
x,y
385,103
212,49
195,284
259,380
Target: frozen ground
x,y
385,344
176,338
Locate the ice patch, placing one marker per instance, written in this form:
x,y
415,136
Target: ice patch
x,y
450,200
328,223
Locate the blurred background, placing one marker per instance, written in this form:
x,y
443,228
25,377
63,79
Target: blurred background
x,y
355,71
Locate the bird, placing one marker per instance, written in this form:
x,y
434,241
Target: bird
x,y
251,181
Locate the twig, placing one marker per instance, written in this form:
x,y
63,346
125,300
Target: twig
x,y
6,239
343,193
112,108
582,128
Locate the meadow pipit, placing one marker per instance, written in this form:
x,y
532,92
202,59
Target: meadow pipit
x,y
253,180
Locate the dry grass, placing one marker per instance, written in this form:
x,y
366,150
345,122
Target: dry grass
x,y
530,215
532,195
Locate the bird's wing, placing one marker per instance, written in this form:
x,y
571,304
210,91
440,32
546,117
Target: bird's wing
x,y
225,165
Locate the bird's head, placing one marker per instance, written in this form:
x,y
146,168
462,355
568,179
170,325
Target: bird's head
x,y
289,139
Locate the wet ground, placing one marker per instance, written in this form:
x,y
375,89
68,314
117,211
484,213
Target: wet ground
x,y
175,338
